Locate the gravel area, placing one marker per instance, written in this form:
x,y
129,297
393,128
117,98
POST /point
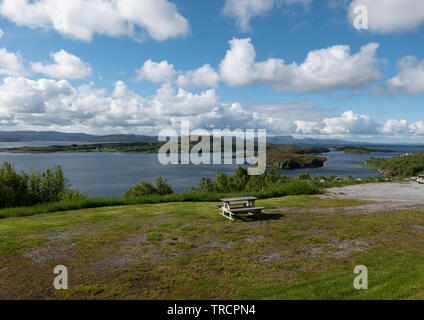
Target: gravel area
x,y
412,193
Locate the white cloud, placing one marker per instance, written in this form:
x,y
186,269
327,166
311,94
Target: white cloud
x,y
20,95
403,128
50,104
202,77
11,64
55,105
417,128
349,123
164,72
161,72
1,33
167,102
395,127
323,70
244,10
82,19
386,16
410,79
66,66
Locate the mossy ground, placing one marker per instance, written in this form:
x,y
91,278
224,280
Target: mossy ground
x,y
188,251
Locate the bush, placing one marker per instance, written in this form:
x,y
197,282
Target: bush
x,y
147,189
162,187
72,195
22,189
271,181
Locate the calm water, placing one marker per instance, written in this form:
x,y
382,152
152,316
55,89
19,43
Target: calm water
x,y
110,174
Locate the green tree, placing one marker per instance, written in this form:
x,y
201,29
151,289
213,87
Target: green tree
x,y
240,179
222,183
162,187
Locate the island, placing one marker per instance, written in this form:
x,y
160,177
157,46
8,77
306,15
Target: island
x,y
137,147
407,165
361,150
295,157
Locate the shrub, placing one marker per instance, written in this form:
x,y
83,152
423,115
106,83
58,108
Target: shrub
x,y
73,195
270,182
22,189
147,189
162,187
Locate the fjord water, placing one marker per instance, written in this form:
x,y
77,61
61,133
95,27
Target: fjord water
x,y
110,174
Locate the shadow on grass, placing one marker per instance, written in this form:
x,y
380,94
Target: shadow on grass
x,y
260,217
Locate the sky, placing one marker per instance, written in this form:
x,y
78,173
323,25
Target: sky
x,y
292,67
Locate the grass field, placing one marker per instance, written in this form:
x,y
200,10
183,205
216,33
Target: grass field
x,y
188,251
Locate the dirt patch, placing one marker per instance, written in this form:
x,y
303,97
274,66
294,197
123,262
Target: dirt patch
x,y
310,252
254,239
414,226
271,258
213,244
345,248
366,209
49,254
57,248
334,249
135,240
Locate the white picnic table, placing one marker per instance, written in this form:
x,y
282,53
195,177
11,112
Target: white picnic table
x,y
231,206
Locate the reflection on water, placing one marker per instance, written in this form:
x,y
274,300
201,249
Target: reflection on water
x,y
109,174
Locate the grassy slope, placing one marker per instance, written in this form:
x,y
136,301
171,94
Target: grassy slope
x,y
291,188
188,251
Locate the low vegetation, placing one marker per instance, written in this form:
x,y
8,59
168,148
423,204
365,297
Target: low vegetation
x,y
145,188
272,180
23,189
402,166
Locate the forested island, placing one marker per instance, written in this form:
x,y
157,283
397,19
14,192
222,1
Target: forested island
x,y
361,150
402,166
294,157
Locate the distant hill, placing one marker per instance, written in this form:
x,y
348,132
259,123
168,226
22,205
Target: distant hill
x,y
16,136
25,136
122,138
307,141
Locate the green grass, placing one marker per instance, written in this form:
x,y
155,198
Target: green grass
x,y
390,277
187,250
292,188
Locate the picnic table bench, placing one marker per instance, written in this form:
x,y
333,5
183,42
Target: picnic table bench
x,y
231,206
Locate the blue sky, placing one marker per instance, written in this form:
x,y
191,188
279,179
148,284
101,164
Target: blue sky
x,y
133,66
